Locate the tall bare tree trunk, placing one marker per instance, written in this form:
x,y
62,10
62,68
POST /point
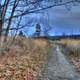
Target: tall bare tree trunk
x,y
3,13
5,8
0,27
0,19
10,19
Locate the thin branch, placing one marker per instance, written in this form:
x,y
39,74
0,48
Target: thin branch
x,y
4,29
44,8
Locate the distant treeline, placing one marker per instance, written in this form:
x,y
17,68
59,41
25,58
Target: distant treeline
x,y
64,37
58,37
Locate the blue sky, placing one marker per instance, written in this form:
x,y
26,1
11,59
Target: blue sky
x,y
64,21
61,20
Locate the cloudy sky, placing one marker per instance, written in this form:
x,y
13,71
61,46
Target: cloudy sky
x,y
65,22
60,19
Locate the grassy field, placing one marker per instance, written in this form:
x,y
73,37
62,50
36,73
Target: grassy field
x,y
73,47
24,59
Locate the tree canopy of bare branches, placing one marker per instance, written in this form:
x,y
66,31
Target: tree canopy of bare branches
x,y
17,9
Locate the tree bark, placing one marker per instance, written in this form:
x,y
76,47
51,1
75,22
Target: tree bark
x,y
10,19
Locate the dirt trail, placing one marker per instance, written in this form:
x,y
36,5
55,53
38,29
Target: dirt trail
x,y
58,66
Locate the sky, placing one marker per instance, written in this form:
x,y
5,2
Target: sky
x,y
60,19
65,22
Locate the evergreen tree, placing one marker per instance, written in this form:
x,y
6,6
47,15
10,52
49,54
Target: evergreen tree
x,y
21,33
38,30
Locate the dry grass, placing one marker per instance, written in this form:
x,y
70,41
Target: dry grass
x,y
24,60
69,42
73,45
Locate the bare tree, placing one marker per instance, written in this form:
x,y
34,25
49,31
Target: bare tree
x,y
25,7
11,16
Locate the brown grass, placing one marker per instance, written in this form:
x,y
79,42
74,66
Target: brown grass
x,y
69,42
24,60
73,46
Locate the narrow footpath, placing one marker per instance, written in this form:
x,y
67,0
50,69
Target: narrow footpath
x,y
58,67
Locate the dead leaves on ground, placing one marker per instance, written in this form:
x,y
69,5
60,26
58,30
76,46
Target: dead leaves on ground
x,y
22,63
75,59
